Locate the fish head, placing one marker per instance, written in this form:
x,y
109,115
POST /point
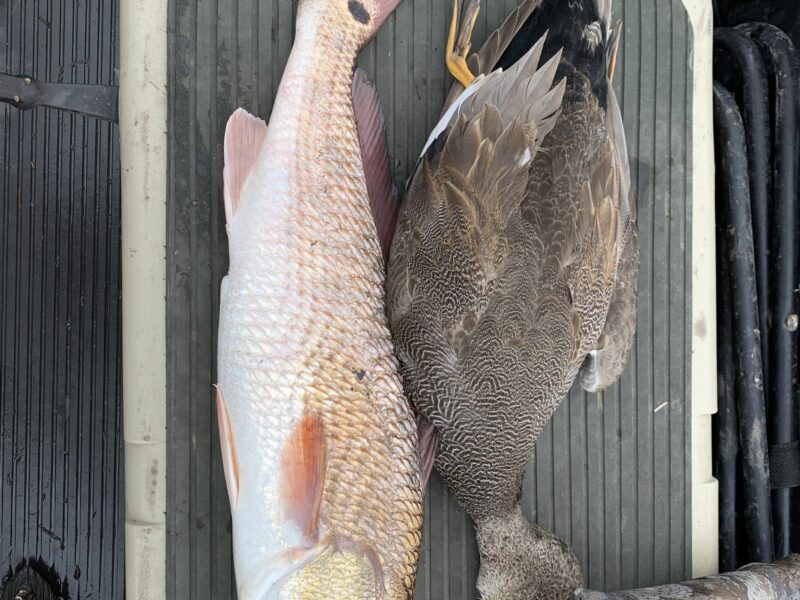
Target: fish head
x,y
294,552
323,571
357,20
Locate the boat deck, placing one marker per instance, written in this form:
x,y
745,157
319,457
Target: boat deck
x,y
612,473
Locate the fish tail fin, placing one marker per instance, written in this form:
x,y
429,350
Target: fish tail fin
x,y
384,9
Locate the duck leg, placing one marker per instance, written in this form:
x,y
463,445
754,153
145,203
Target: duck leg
x,y
457,50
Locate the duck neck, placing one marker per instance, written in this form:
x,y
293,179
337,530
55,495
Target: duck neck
x,y
522,561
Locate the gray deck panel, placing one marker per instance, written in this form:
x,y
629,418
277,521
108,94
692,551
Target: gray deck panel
x,y
545,488
647,303
611,481
609,475
577,490
595,516
680,318
661,295
627,85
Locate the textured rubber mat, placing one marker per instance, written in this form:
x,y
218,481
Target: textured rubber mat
x,y
61,494
611,474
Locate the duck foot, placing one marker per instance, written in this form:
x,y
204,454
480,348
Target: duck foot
x,y
457,49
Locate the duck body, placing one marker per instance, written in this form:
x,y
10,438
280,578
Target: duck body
x,y
513,270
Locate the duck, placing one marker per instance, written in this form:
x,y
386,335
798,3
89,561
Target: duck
x,y
512,271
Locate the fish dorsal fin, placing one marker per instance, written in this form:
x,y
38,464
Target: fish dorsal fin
x,y
244,136
230,460
372,139
302,476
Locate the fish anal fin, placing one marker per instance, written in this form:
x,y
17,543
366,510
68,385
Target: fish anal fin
x,y
230,459
302,476
383,197
244,136
428,436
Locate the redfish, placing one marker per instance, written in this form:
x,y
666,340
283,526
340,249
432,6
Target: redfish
x,y
319,445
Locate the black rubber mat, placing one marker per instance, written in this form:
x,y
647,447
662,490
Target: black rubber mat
x,y
61,481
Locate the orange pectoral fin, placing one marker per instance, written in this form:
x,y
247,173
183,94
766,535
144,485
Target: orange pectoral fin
x,y
302,476
230,460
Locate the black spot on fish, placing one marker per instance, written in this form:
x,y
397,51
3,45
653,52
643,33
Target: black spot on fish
x,y
358,11
360,374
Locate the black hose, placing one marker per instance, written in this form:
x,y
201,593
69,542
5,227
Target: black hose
x,y
726,427
751,77
738,239
782,60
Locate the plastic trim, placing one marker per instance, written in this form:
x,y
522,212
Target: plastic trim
x,y
143,149
705,510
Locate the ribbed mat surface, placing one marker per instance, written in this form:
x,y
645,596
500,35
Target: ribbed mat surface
x,y
61,482
611,475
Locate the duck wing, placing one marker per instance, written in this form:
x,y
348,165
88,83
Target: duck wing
x,y
459,217
507,258
606,361
604,364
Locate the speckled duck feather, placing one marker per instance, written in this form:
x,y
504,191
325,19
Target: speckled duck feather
x,y
513,270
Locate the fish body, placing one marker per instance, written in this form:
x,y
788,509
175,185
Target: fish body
x,y
319,444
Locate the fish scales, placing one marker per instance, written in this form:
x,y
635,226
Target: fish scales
x,y
303,332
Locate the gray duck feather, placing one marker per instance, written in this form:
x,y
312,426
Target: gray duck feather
x,y
513,269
